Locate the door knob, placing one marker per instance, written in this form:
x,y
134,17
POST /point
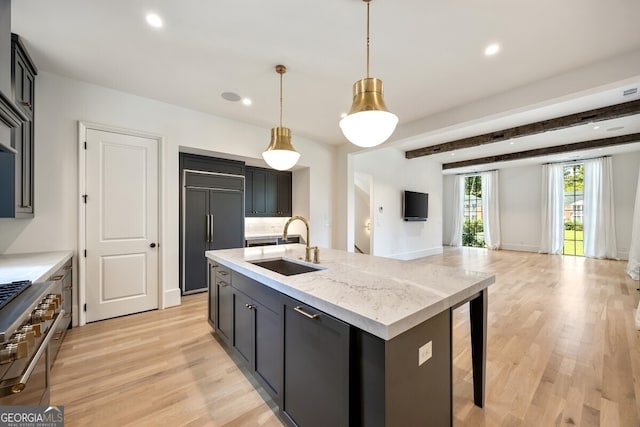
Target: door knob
x,y
153,245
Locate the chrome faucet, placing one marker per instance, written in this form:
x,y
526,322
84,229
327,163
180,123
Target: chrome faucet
x,y
316,254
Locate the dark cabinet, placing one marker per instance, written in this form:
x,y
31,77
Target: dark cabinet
x,y
258,331
267,193
212,219
316,367
224,304
243,325
18,201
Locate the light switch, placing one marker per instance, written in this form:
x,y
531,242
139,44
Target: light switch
x,y
424,353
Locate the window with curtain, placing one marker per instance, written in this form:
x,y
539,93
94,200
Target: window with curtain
x,y
573,209
562,214
473,228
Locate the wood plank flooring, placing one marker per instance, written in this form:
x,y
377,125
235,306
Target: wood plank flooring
x,y
562,350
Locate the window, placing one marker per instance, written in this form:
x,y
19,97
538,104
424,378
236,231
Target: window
x,y
473,231
573,209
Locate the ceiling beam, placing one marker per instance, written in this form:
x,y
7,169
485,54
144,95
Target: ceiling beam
x,y
599,114
566,148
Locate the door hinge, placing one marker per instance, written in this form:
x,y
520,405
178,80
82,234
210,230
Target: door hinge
x,y
85,307
85,253
84,196
85,145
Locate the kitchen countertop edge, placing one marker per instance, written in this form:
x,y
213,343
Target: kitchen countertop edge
x,y
374,326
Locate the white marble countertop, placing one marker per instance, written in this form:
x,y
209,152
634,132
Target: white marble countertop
x,y
36,266
382,296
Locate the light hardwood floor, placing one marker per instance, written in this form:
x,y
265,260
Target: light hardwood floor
x,y
562,350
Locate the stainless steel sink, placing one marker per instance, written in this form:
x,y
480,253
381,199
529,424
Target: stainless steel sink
x,y
286,267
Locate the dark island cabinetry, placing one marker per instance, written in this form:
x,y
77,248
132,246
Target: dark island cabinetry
x,y
316,367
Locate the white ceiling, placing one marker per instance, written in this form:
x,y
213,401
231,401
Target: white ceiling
x,y
429,55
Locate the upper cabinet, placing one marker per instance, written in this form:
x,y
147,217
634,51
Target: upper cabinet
x,y
17,189
267,192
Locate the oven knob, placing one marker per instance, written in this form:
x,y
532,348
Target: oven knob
x,y
30,332
57,297
13,351
23,337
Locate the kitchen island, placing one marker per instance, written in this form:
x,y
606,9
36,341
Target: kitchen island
x,y
362,340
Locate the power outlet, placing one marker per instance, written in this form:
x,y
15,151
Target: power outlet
x,y
425,353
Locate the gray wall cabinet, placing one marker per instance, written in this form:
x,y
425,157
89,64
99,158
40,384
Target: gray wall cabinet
x,y
267,193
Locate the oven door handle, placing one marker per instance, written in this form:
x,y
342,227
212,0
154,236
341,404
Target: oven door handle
x,y
20,385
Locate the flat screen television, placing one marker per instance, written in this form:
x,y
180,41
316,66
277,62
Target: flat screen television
x,y
415,206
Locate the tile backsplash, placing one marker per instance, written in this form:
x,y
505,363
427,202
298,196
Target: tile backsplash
x,y
264,226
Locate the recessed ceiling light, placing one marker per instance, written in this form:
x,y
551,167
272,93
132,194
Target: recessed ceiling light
x,y
492,49
453,154
154,20
246,101
511,143
596,127
231,96
599,149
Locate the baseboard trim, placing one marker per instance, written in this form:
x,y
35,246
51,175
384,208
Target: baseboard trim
x,y
171,297
518,247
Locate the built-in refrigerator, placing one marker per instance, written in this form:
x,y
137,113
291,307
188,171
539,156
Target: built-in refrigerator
x,y
212,218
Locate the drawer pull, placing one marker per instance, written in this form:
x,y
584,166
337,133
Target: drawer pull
x,y
223,273
304,313
56,278
223,284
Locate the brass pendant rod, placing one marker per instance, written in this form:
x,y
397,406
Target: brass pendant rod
x,y
368,3
280,99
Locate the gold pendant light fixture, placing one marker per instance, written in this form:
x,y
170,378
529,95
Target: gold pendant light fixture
x,y
368,123
280,153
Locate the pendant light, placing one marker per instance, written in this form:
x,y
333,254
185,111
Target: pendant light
x,y
280,153
368,123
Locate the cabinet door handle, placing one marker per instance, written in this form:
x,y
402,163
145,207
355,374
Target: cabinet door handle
x,y
304,313
211,227
26,103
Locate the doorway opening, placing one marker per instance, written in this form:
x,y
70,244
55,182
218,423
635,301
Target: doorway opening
x,y
362,213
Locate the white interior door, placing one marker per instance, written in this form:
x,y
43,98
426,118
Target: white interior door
x,y
121,224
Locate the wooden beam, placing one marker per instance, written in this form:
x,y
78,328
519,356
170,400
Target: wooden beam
x,y
599,114
578,146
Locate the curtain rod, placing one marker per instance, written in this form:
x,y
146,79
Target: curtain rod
x,y
475,173
576,160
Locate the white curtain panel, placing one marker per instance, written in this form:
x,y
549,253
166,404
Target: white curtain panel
x,y
455,234
552,239
633,266
599,215
491,209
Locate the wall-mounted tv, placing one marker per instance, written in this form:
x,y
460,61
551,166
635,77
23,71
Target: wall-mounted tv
x,y
415,206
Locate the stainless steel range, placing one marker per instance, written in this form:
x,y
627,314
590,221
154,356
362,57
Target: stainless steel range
x,y
30,314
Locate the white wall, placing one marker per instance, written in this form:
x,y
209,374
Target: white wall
x,y
520,207
520,203
62,102
625,182
392,173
